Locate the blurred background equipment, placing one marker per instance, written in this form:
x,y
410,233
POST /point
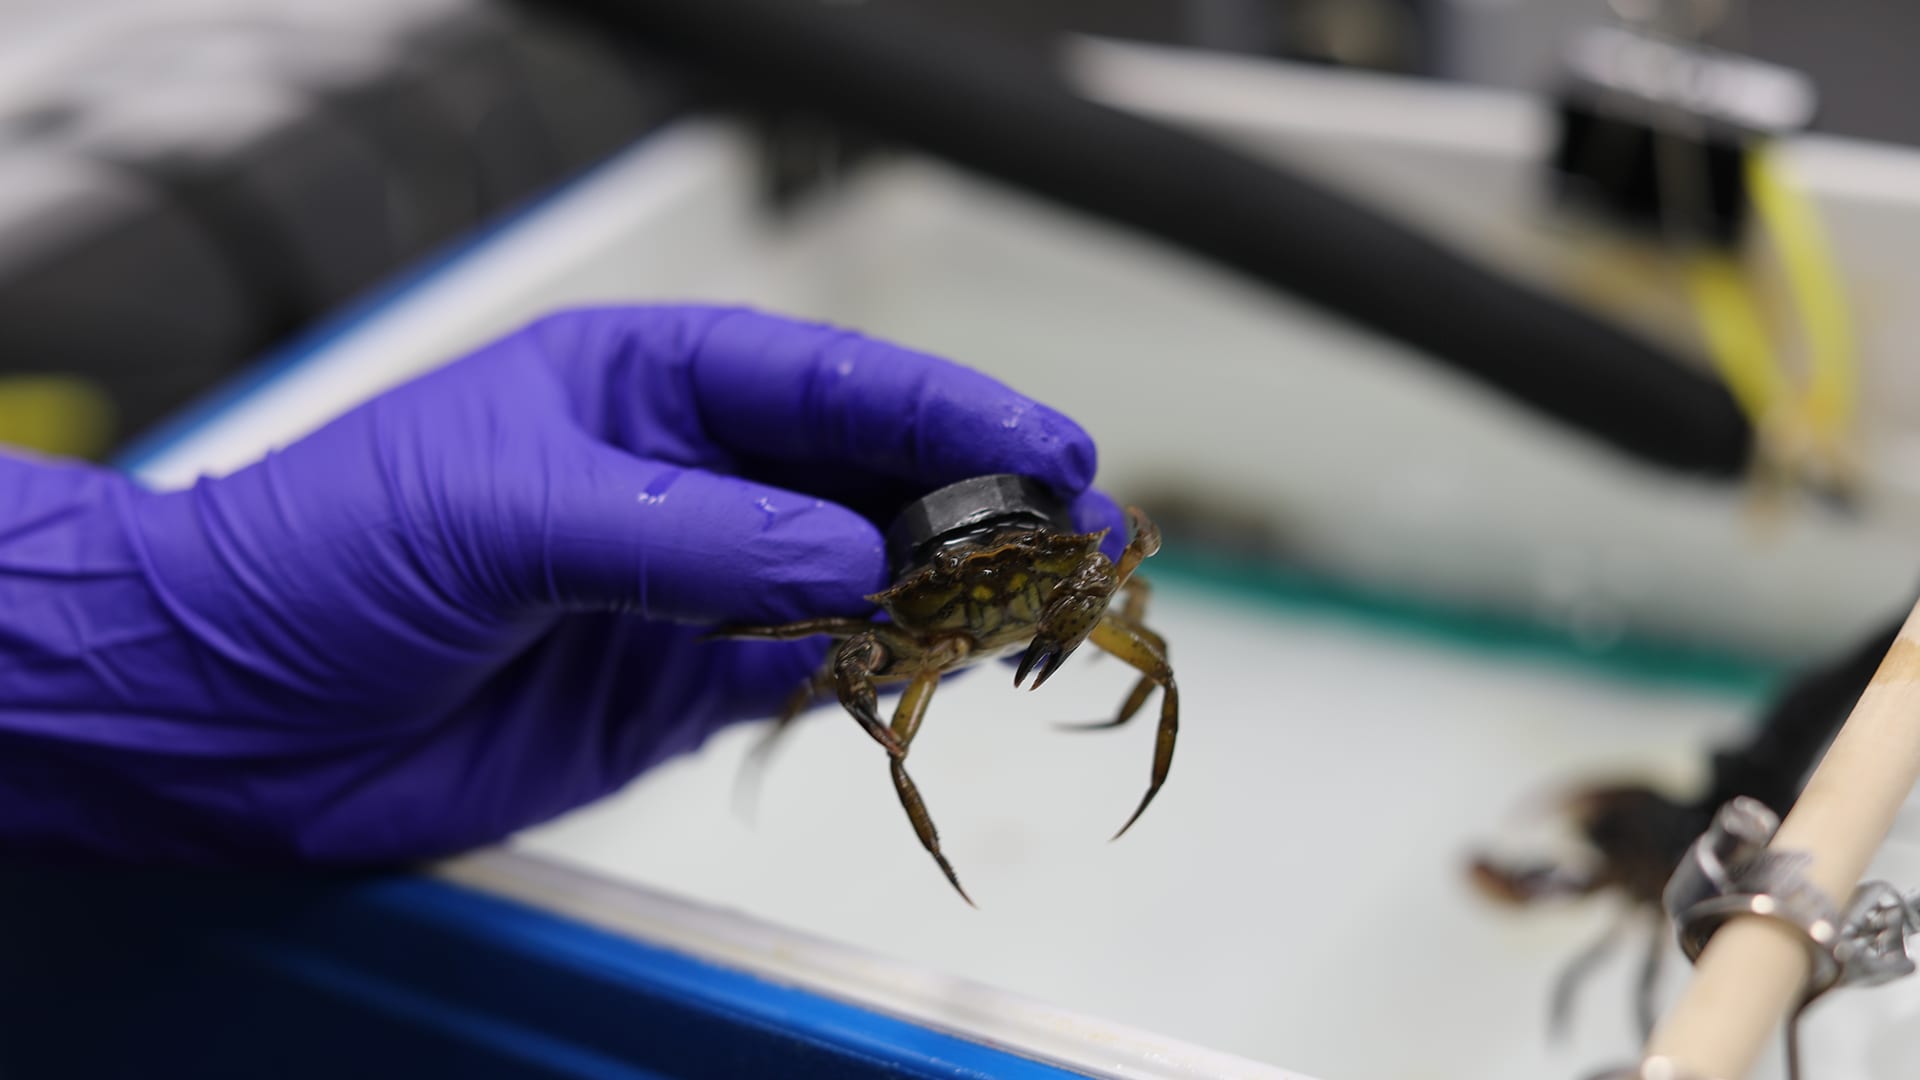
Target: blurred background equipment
x,y
1293,263
184,185
261,164
1675,144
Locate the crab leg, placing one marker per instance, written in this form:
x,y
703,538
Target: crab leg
x,y
1137,591
1647,988
1566,985
1132,644
1141,689
1133,611
906,724
794,631
755,764
854,664
1133,598
862,653
1144,542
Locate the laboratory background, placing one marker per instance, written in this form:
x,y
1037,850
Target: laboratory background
x,y
1521,390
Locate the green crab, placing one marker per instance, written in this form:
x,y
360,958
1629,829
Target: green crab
x,y
978,597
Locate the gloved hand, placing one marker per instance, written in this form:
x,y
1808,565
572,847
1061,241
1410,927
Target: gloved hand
x,y
476,601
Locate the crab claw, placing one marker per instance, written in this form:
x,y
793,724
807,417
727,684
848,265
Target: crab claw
x,y
1624,837
1521,884
1043,657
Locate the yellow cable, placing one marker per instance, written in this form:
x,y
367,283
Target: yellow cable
x,y
1805,425
1793,223
55,414
1736,334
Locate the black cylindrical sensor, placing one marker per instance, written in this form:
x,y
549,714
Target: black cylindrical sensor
x,y
971,508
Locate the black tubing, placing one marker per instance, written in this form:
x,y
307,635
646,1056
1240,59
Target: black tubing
x,y
992,109
1774,763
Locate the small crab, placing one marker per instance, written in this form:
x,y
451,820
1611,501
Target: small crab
x,y
978,595
1631,838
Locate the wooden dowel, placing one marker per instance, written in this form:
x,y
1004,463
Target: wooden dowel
x,y
1754,970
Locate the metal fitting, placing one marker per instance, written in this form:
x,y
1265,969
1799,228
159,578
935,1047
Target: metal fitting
x,y
1729,871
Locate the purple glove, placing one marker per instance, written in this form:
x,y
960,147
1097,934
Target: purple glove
x,y
476,601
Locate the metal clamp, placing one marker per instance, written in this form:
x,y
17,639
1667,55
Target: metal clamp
x,y
1729,872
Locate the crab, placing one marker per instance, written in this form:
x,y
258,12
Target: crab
x,y
1633,837
979,598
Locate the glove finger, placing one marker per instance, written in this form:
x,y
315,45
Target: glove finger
x,y
619,532
761,387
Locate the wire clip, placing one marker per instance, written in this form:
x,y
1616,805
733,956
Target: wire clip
x,y
1729,872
